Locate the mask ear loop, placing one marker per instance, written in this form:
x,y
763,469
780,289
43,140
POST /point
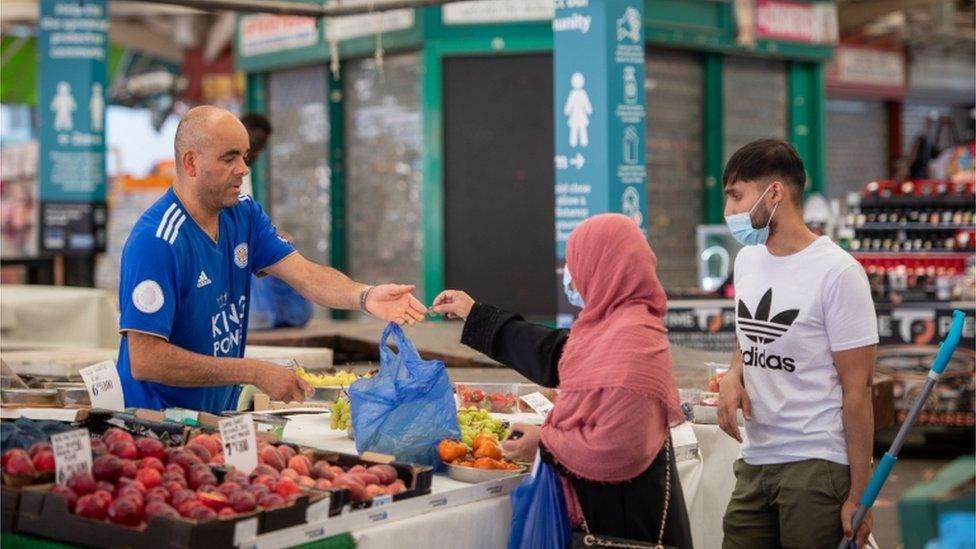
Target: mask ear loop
x,y
758,200
771,214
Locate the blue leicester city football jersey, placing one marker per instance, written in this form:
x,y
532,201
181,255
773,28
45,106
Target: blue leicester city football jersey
x,y
179,284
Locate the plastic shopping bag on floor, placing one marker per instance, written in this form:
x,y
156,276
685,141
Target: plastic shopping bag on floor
x,y
540,519
407,408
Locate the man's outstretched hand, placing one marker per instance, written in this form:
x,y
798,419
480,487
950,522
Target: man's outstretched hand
x,y
395,303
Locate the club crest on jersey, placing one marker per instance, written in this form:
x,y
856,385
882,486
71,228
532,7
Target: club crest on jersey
x,y
240,255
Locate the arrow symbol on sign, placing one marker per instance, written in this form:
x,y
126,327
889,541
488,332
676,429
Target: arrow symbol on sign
x,y
578,161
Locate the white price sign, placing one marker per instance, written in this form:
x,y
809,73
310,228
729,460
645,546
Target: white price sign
x,y
104,386
245,531
72,454
539,403
240,445
318,510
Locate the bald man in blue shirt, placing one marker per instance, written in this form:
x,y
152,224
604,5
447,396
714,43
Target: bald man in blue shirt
x,y
186,274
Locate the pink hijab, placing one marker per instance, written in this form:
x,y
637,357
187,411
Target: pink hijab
x,y
617,395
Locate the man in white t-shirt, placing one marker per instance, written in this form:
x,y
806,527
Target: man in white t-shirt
x,y
807,336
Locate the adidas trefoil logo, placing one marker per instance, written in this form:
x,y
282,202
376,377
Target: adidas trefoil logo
x,y
203,280
759,328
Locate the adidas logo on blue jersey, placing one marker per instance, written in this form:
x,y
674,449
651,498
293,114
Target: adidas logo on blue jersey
x,y
203,280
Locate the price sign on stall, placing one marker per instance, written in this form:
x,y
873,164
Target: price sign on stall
x,y
72,454
240,445
104,386
539,403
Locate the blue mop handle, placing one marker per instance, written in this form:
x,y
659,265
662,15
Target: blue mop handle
x,y
946,350
950,343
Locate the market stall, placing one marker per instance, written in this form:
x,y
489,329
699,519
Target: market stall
x,y
705,457
444,506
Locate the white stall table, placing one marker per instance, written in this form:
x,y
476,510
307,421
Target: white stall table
x,y
706,479
44,317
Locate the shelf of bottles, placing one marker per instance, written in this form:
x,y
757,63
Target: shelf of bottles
x,y
915,239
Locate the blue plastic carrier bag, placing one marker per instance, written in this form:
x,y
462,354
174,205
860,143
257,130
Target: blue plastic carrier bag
x,y
407,408
540,519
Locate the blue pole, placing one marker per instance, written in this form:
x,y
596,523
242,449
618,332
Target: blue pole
x,y
946,350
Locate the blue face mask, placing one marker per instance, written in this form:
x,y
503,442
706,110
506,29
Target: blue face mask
x,y
741,225
574,297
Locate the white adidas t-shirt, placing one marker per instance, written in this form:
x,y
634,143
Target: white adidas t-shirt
x,y
792,312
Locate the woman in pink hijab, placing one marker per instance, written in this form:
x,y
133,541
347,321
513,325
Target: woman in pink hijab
x,y
608,433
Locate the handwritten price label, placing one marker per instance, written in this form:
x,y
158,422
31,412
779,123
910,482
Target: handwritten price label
x,y
539,403
72,454
240,444
104,386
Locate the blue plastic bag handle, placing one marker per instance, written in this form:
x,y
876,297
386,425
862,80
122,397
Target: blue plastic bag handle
x,y
404,345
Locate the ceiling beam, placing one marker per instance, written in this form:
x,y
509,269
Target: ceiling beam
x,y
220,35
283,7
854,15
138,37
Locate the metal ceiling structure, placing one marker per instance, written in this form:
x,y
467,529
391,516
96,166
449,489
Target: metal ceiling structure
x,y
166,28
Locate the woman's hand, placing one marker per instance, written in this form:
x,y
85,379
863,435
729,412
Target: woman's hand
x,y
453,304
524,448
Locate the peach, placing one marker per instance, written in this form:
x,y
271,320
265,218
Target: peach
x,y
114,434
288,472
270,456
300,464
82,483
271,501
183,496
38,448
91,506
322,469
149,447
107,468
213,500
161,509
374,490
200,451
18,462
125,511
386,473
287,487
243,502
69,495
129,468
149,477
44,461
152,463
356,490
125,449
266,470
286,452
210,442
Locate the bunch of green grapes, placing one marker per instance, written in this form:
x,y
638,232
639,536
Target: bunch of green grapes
x,y
341,415
474,421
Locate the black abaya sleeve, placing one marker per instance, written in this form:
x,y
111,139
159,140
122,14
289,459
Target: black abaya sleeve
x,y
528,348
